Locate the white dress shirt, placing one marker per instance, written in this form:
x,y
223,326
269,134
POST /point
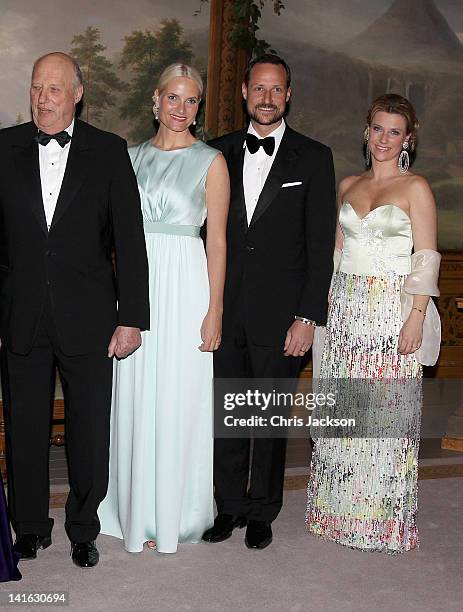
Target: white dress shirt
x,y
52,161
256,168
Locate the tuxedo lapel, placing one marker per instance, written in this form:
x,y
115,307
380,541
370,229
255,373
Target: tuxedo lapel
x,y
78,164
236,178
26,156
284,159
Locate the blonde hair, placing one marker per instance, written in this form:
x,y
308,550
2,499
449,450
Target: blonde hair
x,y
180,70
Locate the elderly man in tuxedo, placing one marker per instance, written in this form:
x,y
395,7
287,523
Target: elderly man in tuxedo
x,y
68,196
280,243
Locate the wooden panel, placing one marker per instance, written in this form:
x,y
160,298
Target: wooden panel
x,y
450,364
57,431
454,336
453,444
226,66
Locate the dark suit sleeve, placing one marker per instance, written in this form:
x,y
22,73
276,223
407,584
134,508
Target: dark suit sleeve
x,y
222,144
320,223
129,243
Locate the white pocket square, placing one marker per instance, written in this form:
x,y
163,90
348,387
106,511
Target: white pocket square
x,y
291,184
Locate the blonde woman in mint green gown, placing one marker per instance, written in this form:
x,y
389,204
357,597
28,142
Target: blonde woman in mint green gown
x,y
160,483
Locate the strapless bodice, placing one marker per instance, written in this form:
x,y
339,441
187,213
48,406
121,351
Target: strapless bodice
x,y
379,243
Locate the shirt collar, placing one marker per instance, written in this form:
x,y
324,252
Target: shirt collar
x,y
70,129
277,133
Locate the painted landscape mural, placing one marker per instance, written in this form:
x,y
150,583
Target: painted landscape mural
x,y
121,47
342,55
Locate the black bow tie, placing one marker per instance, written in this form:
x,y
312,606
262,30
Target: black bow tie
x,y
253,144
62,138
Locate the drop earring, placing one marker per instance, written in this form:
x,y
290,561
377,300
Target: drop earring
x,y
366,137
155,108
404,159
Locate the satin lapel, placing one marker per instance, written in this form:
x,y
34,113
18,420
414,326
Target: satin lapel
x,y
26,157
276,177
236,178
78,164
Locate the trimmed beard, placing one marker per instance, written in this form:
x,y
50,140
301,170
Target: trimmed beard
x,y
270,120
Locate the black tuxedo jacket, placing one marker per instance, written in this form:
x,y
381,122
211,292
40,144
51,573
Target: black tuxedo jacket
x,y
98,208
281,265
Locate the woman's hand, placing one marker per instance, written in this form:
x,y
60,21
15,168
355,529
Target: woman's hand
x,y
211,331
411,334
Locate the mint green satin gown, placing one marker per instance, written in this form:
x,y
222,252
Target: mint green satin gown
x,y
160,474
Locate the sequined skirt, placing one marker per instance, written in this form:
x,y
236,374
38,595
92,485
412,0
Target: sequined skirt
x,y
362,492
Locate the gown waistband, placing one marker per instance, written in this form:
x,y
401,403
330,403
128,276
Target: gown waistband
x,y
156,227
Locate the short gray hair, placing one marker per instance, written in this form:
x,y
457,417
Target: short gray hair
x,y
78,78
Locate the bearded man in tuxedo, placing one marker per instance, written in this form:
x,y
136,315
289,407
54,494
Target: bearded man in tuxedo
x,y
68,196
280,242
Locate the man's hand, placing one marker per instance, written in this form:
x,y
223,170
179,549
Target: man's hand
x,y
298,339
125,340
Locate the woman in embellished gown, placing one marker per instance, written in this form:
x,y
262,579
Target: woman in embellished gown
x,y
382,327
160,476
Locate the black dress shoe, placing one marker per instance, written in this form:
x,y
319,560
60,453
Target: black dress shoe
x,y
223,527
258,534
85,554
27,544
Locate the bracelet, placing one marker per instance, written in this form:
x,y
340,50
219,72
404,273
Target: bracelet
x,y
419,310
306,321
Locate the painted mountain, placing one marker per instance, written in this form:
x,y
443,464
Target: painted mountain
x,y
410,32
411,50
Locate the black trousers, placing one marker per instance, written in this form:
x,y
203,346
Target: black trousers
x,y
28,383
259,462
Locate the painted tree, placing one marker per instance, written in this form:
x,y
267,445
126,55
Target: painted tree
x,y
101,83
146,54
